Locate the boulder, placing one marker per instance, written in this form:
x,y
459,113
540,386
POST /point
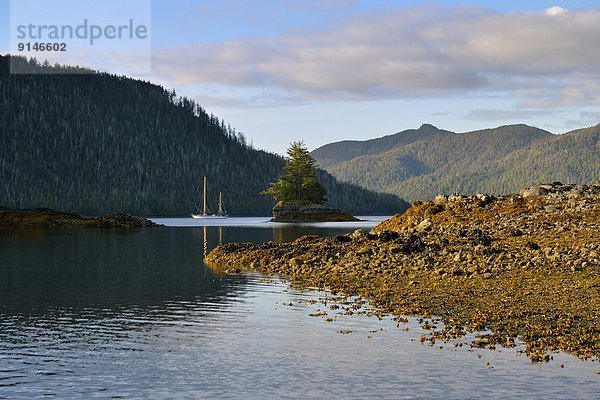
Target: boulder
x,y
440,200
534,191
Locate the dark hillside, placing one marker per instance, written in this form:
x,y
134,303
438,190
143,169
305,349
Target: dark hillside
x,y
95,143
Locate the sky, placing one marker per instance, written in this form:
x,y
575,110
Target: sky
x,y
330,70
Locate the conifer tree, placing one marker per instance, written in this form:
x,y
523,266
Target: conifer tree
x,y
299,180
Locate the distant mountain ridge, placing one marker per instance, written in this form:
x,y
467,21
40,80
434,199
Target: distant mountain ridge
x,y
335,153
420,163
96,143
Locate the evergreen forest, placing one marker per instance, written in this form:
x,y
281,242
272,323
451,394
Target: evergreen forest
x,y
94,142
417,164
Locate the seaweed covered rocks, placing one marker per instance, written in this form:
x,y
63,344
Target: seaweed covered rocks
x,y
525,267
308,212
43,218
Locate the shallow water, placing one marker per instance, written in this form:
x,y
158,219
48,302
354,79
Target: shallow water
x,y
137,315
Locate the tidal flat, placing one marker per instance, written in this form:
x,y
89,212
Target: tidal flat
x,y
519,269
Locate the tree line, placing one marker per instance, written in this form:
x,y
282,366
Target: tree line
x,y
97,142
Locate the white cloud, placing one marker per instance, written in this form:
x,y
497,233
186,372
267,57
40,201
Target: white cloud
x,y
556,10
540,61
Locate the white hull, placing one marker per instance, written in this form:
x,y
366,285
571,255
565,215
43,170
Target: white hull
x,y
201,216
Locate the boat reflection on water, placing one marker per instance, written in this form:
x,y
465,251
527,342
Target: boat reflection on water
x,y
205,239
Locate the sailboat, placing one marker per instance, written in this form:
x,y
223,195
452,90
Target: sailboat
x,y
205,215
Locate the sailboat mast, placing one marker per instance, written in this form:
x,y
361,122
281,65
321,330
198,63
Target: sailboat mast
x,y
220,204
204,198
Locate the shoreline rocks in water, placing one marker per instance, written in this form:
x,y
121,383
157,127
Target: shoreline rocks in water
x,y
308,212
43,218
525,267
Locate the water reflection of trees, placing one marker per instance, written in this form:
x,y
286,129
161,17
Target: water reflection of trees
x,y
106,272
111,271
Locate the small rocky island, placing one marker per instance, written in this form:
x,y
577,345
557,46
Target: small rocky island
x,y
44,218
299,194
308,212
523,267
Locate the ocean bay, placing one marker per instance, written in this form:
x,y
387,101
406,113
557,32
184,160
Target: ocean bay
x,y
137,314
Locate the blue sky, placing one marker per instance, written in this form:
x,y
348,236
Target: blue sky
x,y
323,71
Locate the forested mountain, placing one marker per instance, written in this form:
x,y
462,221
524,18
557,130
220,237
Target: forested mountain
x,y
336,153
96,142
418,164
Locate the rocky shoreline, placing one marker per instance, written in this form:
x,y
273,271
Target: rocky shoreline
x,y
308,212
525,268
43,218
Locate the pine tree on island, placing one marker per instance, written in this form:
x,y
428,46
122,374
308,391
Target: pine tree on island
x,y
298,192
298,183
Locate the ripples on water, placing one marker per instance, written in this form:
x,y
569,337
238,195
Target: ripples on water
x,y
137,315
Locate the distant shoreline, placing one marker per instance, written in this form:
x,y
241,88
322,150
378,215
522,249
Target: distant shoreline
x,y
44,218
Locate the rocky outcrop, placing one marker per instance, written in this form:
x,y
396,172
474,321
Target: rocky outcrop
x,y
559,190
123,221
307,212
43,218
525,267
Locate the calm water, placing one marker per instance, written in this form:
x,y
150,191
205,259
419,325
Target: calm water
x,y
137,315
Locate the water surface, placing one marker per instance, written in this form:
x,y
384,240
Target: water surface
x,y
137,315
